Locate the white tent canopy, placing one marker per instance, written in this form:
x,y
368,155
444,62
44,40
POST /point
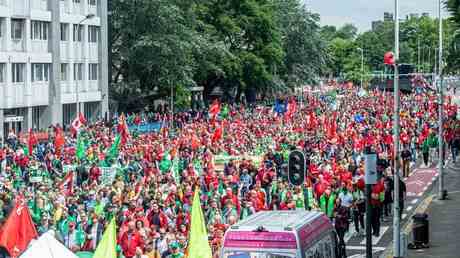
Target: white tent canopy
x,y
46,246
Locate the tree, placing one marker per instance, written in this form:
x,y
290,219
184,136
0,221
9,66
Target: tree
x,y
453,65
152,50
305,51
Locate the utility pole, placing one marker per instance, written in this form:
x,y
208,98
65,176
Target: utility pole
x,y
442,193
396,219
362,66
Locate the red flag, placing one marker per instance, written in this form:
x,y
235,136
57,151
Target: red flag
x,y
217,133
18,229
123,129
291,108
195,142
31,142
66,185
214,109
59,141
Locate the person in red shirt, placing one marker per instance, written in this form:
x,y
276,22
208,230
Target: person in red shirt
x,y
130,241
94,173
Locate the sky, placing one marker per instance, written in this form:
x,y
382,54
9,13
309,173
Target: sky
x,y
362,12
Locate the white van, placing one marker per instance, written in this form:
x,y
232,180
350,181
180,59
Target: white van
x,y
281,234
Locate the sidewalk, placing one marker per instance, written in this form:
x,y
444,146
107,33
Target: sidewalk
x,y
444,220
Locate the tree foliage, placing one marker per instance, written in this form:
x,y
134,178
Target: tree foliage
x,y
242,46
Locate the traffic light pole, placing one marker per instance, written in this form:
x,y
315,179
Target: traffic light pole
x,y
396,208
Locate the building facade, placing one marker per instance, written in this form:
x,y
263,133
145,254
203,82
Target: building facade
x,y
53,55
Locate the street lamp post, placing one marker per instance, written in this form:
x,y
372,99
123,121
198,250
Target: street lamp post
x,y
362,66
396,208
442,193
77,94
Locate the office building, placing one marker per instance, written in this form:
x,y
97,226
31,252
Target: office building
x,y
53,54
387,16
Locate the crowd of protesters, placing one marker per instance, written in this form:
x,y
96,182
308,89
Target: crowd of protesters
x,y
151,201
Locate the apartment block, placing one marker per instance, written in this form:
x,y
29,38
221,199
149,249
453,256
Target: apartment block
x,y
53,55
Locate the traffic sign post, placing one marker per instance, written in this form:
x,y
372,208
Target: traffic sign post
x,y
370,178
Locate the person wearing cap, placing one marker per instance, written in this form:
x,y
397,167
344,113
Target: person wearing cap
x,y
174,251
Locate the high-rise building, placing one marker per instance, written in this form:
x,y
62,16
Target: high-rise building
x,y
387,16
53,55
376,25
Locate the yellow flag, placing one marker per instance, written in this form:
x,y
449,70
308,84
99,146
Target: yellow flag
x,y
198,245
107,248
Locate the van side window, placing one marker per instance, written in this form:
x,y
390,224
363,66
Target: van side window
x,y
324,248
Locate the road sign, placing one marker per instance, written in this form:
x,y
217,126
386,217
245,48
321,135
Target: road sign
x,y
14,119
370,169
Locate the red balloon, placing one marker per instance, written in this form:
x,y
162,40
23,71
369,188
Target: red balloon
x,y
389,58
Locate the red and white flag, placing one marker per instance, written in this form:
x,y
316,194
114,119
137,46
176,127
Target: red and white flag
x,y
18,229
66,186
78,122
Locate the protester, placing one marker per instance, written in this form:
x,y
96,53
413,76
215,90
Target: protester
x,y
75,183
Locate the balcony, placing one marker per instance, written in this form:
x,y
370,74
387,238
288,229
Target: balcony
x,y
65,7
40,94
19,8
77,50
78,9
17,45
93,51
92,9
40,46
15,95
41,5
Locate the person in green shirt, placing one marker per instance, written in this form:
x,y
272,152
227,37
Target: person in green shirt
x,y
327,202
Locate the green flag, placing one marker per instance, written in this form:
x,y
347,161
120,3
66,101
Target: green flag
x,y
107,248
224,111
114,149
165,163
198,246
176,169
80,148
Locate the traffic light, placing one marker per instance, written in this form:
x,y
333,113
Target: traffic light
x,y
296,168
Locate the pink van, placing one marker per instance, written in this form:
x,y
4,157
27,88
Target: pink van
x,y
281,234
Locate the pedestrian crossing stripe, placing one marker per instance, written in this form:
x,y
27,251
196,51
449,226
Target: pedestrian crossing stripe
x,y
358,247
375,239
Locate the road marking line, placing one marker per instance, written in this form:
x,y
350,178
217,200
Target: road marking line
x,y
375,240
420,194
349,234
404,216
374,248
414,201
424,188
409,208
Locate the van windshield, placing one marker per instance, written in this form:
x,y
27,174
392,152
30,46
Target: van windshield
x,y
244,254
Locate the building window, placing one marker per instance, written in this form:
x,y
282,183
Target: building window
x,y
93,71
64,72
76,1
17,72
77,32
2,72
92,2
93,32
39,30
78,72
40,72
1,25
17,28
64,31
